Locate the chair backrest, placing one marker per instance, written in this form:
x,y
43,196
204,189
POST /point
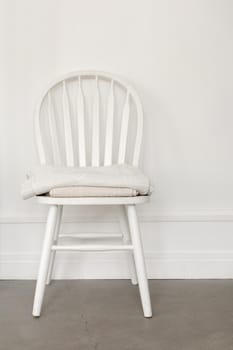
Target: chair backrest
x,y
89,118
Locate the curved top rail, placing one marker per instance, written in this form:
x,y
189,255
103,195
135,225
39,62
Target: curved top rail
x,y
91,74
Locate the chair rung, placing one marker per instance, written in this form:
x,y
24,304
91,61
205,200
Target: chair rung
x,y
90,235
93,247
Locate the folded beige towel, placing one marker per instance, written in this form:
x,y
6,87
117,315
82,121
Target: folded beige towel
x,y
92,191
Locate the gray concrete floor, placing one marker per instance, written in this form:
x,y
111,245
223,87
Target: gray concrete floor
x,y
107,315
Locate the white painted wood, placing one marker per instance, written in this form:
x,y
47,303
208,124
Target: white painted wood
x,y
93,247
93,200
53,131
52,236
113,81
55,238
67,128
44,262
90,235
138,140
126,238
96,126
81,125
139,260
109,127
124,130
38,135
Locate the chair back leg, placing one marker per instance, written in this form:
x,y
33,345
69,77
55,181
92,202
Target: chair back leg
x,y
53,252
44,262
139,260
126,238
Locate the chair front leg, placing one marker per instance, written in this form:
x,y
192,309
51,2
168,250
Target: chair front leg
x,y
53,253
139,260
126,238
44,261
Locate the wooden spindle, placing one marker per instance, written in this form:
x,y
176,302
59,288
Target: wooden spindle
x,y
67,128
53,131
124,130
96,126
109,127
81,125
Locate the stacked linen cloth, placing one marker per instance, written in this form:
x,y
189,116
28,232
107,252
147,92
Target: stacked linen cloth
x,y
61,181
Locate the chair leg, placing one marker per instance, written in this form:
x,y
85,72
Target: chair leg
x,y
53,253
44,262
139,260
126,238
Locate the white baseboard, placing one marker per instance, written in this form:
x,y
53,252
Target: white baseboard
x,y
166,265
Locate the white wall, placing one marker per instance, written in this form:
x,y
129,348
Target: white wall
x,y
179,55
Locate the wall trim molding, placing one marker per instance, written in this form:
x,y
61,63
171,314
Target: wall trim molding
x,y
162,265
201,215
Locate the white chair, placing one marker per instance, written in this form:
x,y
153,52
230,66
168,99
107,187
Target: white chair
x,y
61,126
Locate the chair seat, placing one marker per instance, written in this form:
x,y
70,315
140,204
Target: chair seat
x,y
92,191
46,199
